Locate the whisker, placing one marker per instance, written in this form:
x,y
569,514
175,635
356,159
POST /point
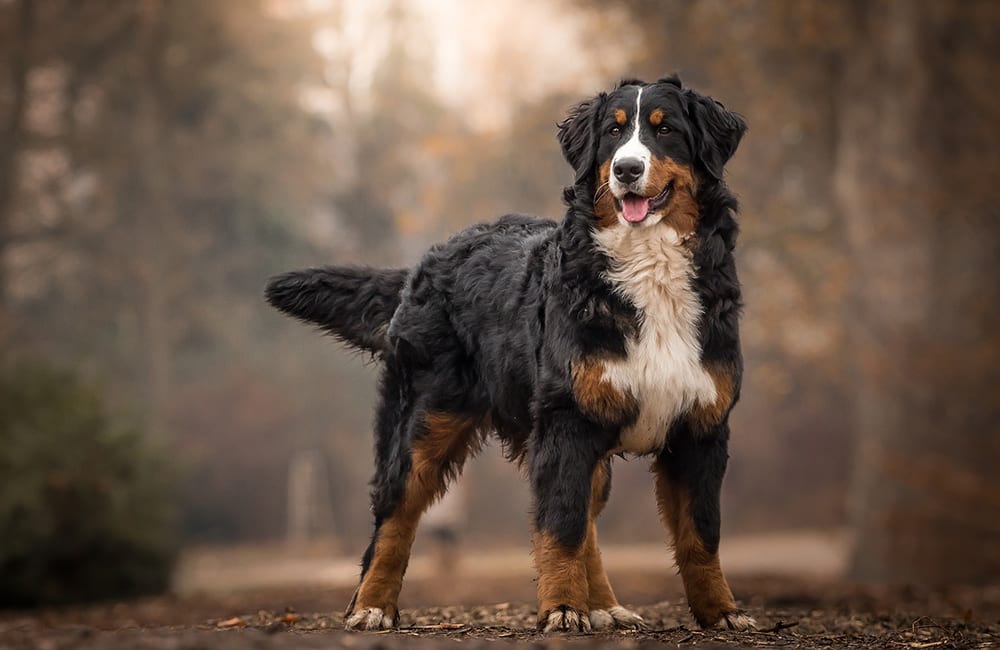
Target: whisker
x,y
603,187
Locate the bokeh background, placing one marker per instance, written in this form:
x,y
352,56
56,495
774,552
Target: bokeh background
x,y
159,159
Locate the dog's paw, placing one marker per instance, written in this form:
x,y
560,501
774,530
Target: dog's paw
x,y
737,620
600,619
617,616
566,619
369,619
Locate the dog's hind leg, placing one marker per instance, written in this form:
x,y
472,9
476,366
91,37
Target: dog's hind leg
x,y
605,612
565,454
688,481
439,445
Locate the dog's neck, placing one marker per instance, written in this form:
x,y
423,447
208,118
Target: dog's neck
x,y
649,266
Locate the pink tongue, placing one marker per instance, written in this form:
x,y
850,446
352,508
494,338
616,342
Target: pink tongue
x,y
634,208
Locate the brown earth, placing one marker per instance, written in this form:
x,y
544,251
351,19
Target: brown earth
x,y
797,611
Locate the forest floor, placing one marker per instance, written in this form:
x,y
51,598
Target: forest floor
x,y
796,597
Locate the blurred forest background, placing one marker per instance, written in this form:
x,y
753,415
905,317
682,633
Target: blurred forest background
x,y
159,159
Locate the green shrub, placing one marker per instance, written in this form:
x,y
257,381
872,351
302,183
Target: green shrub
x,y
86,508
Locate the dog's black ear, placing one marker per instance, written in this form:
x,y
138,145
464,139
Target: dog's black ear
x,y
578,135
716,132
672,79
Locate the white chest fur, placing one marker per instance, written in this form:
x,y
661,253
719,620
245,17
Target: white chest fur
x,y
663,370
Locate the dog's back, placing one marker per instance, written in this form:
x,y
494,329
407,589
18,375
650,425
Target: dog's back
x,y
475,301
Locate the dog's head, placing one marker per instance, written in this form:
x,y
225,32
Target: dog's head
x,y
641,151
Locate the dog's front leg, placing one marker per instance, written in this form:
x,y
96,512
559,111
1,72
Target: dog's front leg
x,y
565,454
688,482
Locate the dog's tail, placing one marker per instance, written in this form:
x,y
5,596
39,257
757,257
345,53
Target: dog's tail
x,y
355,304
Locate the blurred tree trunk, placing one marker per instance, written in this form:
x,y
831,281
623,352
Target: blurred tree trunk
x,y
152,217
916,180
19,50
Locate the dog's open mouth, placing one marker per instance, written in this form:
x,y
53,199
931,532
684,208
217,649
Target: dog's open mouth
x,y
635,208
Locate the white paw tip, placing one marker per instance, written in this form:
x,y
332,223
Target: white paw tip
x,y
567,620
601,619
369,618
738,621
626,617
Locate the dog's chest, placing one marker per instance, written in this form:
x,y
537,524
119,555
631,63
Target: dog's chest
x,y
662,369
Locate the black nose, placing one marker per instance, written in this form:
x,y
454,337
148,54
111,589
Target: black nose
x,y
628,170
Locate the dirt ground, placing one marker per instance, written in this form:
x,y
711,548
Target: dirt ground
x,y
794,611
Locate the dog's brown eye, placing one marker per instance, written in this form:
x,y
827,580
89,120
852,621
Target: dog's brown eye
x,y
615,130
663,130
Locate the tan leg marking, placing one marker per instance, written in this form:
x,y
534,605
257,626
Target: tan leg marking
x,y
605,612
709,596
562,581
600,594
447,441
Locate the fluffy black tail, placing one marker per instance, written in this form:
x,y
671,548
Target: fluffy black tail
x,y
354,304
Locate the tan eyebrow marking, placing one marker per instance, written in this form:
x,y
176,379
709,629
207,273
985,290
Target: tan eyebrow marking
x,y
656,117
620,116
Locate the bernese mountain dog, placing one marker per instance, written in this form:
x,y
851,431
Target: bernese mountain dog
x,y
613,331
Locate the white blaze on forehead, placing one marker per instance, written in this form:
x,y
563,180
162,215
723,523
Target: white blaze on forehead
x,y
634,148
